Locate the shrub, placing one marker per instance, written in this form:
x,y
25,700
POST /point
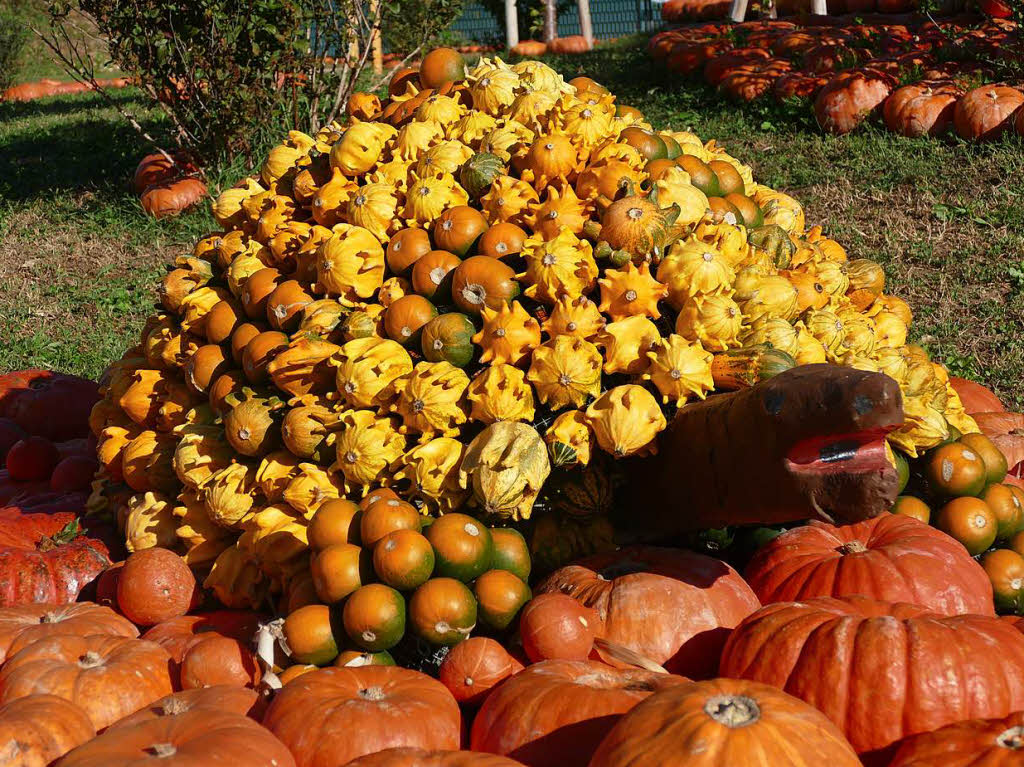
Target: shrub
x,y
13,37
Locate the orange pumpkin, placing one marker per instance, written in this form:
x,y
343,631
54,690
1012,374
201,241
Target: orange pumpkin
x,y
555,713
231,382
724,721
458,229
380,494
530,48
400,79
650,145
701,174
39,729
511,552
441,66
107,676
222,320
442,611
338,570
500,595
333,716
155,585
223,698
483,281
260,352
256,292
921,109
955,470
503,240
989,742
554,626
22,625
218,660
462,545
384,516
474,667
311,635
170,198
909,506
241,337
431,274
405,249
374,617
285,305
205,366
403,559
987,112
572,45
336,521
405,318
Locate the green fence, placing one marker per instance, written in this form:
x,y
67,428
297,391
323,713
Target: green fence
x,y
483,21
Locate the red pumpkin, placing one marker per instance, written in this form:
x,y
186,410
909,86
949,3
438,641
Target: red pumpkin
x,y
717,68
418,757
474,667
555,713
724,722
171,198
213,659
332,716
937,670
229,698
46,404
1006,430
74,474
108,676
850,98
799,85
554,626
672,606
10,433
195,737
20,626
921,109
32,459
155,585
175,635
891,557
46,567
975,742
975,397
987,112
37,730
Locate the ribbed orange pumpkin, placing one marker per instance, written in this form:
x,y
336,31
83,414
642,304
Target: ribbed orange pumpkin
x,y
987,112
418,757
672,606
332,716
37,730
819,649
475,667
724,722
891,557
20,626
555,713
975,742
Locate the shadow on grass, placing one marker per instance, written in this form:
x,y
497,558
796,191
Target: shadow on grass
x,y
65,104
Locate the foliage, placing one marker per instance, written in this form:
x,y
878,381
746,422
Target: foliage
x,y
13,37
409,25
229,74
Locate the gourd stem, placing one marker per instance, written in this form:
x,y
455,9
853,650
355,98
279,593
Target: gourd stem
x,y
733,711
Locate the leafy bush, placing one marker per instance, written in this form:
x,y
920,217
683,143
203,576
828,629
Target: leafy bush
x,y
231,74
409,25
13,37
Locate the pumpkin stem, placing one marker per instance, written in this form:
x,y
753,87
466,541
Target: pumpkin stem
x,y
50,617
1012,738
733,710
372,693
163,750
174,706
91,659
853,547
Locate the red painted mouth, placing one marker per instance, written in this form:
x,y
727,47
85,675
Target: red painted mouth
x,y
857,453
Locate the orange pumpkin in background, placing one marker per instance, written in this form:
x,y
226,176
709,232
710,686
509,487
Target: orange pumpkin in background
x,y
171,198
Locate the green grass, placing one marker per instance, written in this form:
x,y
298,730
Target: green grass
x,y
79,261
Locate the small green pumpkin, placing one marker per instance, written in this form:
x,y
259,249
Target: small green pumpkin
x,y
775,241
673,150
585,493
478,173
448,338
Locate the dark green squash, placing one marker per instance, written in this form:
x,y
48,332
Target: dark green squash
x,y
478,173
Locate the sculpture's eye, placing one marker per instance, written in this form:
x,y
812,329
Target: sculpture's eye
x,y
773,402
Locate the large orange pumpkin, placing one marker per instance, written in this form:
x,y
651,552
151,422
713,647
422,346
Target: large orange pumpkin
x,y
331,716
850,98
108,676
475,667
554,626
20,626
155,585
975,397
831,652
972,743
37,730
418,757
170,198
672,606
724,722
177,634
987,112
230,698
555,713
1006,430
198,736
890,557
921,109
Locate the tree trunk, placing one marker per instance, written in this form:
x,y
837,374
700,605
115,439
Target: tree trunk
x,y
738,12
511,24
819,7
586,26
550,20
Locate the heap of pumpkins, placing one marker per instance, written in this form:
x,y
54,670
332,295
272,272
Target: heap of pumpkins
x,y
478,294
855,72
